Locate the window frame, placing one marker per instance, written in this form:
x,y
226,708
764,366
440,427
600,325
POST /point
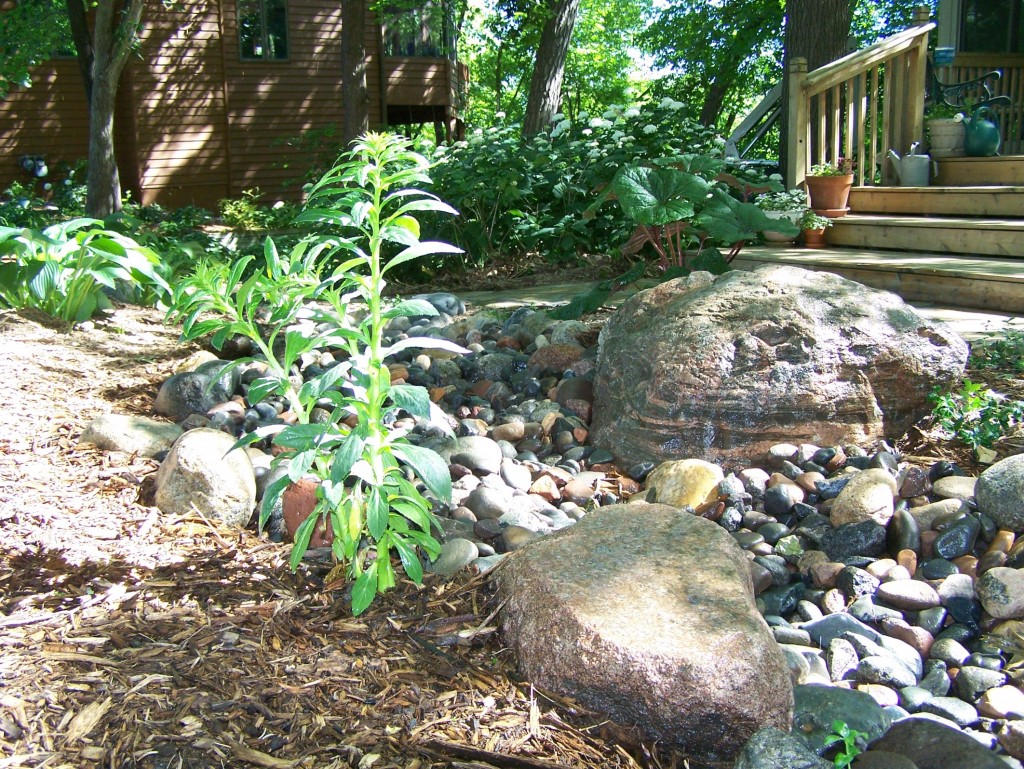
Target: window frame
x,y
263,8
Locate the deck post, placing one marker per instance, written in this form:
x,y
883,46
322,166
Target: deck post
x,y
796,124
916,83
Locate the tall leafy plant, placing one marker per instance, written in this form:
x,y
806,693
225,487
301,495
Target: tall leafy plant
x,y
369,202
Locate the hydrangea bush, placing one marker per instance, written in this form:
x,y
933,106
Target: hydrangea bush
x,y
522,194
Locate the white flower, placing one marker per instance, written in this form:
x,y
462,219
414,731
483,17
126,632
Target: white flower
x,y
719,141
594,154
478,132
587,132
499,115
632,112
776,177
617,135
675,105
584,116
666,103
649,129
557,116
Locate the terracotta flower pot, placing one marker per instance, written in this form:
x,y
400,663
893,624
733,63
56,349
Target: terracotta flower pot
x,y
814,238
297,503
830,194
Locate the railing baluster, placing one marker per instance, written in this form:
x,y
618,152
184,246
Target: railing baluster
x,y
860,89
875,132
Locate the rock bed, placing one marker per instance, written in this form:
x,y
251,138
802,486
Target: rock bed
x,y
895,586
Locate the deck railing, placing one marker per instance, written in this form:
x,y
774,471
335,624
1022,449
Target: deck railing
x,y
859,106
967,66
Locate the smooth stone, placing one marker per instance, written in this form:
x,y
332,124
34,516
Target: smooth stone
x,y
882,759
832,487
488,503
816,707
936,678
683,482
1011,738
956,586
1001,592
771,748
455,555
885,670
130,434
925,515
780,498
958,539
856,582
842,659
867,497
952,652
517,537
904,532
912,697
885,696
866,610
476,452
908,595
516,475
938,568
835,625
188,393
792,635
1000,493
960,487
953,708
972,682
1002,702
782,600
932,745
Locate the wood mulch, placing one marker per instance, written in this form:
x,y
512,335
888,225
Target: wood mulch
x,y
133,639
129,638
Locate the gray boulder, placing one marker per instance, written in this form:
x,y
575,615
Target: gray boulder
x,y
999,493
647,614
185,394
816,707
932,745
202,471
133,435
722,370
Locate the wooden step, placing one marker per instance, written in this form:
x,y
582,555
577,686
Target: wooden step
x,y
951,235
990,201
1001,169
993,284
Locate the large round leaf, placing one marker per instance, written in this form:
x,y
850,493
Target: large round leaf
x,y
655,196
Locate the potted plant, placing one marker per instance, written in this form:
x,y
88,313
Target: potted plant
x,y
829,187
786,204
814,226
944,126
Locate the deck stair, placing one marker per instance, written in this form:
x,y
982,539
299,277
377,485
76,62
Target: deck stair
x,y
957,245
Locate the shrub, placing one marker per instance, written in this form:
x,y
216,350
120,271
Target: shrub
x,y
976,416
520,194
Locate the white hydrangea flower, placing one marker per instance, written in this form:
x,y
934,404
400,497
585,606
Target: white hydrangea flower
x,y
666,103
584,116
675,105
617,135
587,132
499,115
632,112
649,129
719,141
594,154
557,116
776,177
478,132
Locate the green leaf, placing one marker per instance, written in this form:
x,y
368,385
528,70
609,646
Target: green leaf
x,y
428,465
302,537
263,386
345,457
411,398
658,196
364,590
425,343
376,513
271,495
299,464
411,308
410,560
426,248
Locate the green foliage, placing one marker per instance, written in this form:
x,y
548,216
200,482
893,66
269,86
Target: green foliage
x,y
520,195
1005,352
843,735
596,298
30,33
841,167
976,416
247,213
68,269
813,221
684,203
369,202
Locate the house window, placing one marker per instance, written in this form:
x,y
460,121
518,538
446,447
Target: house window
x,y
993,26
263,29
424,30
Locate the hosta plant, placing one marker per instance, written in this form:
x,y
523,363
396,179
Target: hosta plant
x,y
370,200
67,270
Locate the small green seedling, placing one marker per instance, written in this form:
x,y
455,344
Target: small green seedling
x,y
842,733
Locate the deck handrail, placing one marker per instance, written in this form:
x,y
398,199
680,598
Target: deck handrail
x,y
858,106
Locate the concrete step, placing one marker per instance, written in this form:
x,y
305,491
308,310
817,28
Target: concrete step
x,y
992,284
953,235
990,201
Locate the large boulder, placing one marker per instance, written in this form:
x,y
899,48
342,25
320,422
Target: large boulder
x,y
646,613
723,369
203,472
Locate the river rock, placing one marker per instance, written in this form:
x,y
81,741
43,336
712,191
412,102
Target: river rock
x,y
134,435
932,745
771,748
684,482
1001,592
868,496
724,370
816,707
999,493
185,394
202,470
687,657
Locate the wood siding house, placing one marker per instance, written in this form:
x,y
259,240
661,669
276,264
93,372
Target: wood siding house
x,y
220,91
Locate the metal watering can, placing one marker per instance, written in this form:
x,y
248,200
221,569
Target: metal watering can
x,y
913,169
981,137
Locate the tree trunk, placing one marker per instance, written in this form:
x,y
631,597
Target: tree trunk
x,y
816,30
714,100
354,97
83,43
546,85
113,37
